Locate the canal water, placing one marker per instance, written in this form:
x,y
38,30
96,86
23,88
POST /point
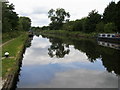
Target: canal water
x,y
51,62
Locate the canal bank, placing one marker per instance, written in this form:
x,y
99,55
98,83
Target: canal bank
x,y
75,34
10,66
79,35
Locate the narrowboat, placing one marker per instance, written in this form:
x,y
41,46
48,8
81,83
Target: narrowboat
x,y
112,37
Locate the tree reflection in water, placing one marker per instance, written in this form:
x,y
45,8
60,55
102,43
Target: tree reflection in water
x,y
58,48
110,57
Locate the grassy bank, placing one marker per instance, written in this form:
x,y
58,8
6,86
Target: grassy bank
x,y
69,33
14,47
10,35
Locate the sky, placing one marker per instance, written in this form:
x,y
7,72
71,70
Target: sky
x,y
37,10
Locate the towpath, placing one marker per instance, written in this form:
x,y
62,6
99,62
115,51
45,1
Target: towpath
x,y
6,42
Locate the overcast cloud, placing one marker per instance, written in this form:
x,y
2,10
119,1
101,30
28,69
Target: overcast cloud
x,y
37,10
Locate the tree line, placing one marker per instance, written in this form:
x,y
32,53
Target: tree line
x,y
11,21
94,22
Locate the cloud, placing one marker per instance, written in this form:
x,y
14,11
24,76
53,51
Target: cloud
x,y
39,19
40,10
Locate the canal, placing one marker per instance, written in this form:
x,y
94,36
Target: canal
x,y
51,62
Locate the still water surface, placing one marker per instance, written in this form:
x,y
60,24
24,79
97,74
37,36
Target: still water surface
x,y
64,63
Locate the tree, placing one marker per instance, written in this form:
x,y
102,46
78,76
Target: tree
x,y
100,27
57,17
109,14
24,23
77,25
9,18
112,14
93,19
117,21
68,26
109,27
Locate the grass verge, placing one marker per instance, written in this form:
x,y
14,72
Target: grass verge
x,y
10,35
14,48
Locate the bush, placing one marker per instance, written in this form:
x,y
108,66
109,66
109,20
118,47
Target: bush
x,y
100,27
109,27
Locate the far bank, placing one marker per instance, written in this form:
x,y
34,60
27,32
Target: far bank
x,y
107,37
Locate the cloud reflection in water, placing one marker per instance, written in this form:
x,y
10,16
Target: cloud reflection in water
x,y
72,71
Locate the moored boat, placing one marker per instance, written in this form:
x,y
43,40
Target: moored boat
x,y
114,37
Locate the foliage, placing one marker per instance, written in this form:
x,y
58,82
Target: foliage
x,y
77,26
100,27
94,22
24,23
57,17
93,19
45,28
68,26
87,24
69,33
112,14
117,21
109,27
10,20
9,17
109,14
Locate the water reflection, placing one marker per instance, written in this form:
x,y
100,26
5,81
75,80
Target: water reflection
x,y
64,63
28,44
108,44
58,48
110,57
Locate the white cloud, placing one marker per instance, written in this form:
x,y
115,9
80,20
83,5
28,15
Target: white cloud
x,y
39,19
77,8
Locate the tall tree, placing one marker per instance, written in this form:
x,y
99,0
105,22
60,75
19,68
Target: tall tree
x,y
109,14
57,17
9,17
117,22
93,19
112,14
24,23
